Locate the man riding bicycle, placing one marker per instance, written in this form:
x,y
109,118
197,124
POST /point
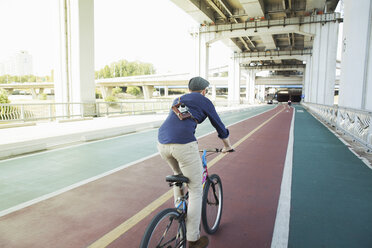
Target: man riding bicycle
x,y
178,146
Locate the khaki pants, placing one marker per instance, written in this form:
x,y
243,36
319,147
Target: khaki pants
x,y
185,159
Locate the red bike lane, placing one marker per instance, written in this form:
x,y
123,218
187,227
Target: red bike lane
x,y
87,215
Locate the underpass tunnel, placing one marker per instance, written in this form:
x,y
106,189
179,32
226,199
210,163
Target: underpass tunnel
x,y
289,94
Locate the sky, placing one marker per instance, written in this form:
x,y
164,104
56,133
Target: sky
x,y
149,31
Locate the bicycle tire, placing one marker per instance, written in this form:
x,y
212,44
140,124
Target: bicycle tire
x,y
157,234
212,204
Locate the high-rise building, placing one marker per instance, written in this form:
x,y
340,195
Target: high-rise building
x,y
18,65
2,68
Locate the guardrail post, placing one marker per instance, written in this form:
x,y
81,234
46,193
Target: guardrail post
x,y
97,109
82,110
369,136
338,119
22,113
50,112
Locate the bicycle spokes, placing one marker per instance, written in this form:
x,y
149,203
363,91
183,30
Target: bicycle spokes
x,y
215,197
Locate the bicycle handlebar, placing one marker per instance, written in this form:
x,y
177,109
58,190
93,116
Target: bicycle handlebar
x,y
216,150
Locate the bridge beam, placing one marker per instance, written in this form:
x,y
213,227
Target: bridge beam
x,y
247,57
300,25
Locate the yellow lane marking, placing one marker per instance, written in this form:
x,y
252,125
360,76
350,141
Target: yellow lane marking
x,y
111,236
128,224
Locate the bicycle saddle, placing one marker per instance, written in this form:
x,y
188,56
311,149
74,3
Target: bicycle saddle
x,y
176,179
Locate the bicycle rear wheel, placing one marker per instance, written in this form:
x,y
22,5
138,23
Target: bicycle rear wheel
x,y
167,229
212,204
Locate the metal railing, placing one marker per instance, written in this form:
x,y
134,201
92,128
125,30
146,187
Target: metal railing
x,y
53,111
21,112
353,122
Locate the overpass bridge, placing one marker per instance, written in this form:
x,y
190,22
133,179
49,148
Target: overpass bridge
x,y
148,82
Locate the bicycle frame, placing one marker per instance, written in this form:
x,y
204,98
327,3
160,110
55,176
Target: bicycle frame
x,y
178,236
205,167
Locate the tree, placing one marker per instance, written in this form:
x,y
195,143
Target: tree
x,y
134,90
116,91
123,68
4,96
107,72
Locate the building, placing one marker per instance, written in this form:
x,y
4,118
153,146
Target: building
x,y
18,65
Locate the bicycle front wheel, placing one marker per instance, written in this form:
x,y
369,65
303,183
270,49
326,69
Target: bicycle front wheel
x,y
167,229
212,204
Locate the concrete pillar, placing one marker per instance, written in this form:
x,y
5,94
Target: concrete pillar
x,y
356,64
214,92
74,65
33,93
147,91
307,81
234,81
202,57
330,76
323,63
166,90
9,90
250,86
261,93
106,91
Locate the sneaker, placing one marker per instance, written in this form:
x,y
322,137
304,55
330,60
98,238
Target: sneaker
x,y
200,243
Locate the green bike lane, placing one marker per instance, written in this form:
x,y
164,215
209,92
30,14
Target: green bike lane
x,y
29,179
331,198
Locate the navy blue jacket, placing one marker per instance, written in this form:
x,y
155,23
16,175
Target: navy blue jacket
x,y
176,131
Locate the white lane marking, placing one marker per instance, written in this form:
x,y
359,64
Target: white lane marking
x,y
281,228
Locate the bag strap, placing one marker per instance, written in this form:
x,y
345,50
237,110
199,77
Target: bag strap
x,y
192,117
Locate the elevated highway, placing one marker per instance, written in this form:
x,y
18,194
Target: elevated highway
x,y
148,82
167,80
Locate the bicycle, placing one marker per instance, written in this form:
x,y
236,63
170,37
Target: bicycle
x,y
168,227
